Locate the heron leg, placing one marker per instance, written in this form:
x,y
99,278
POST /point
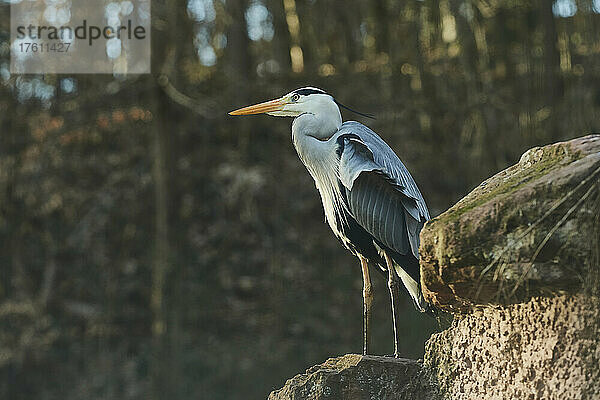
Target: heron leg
x,y
367,301
394,286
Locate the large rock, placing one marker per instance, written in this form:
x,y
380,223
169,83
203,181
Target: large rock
x,y
529,230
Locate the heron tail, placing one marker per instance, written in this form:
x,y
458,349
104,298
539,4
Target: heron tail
x,y
423,306
413,288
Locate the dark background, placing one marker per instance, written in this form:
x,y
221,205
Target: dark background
x,y
153,247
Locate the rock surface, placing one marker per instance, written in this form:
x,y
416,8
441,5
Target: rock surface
x,y
357,377
546,348
526,231
517,261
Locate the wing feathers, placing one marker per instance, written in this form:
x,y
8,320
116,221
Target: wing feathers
x,y
362,150
383,206
382,195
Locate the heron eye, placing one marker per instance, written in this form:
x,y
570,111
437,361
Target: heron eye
x,y
295,97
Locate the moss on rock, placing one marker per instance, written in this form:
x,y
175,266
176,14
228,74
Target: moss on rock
x,y
521,233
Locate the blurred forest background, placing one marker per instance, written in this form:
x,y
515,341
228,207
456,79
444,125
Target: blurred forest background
x,y
153,247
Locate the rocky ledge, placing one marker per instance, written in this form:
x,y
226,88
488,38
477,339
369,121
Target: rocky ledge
x,y
355,376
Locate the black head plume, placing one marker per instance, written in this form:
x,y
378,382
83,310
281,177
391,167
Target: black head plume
x,y
354,111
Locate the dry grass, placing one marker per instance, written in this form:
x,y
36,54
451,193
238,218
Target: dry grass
x,y
590,199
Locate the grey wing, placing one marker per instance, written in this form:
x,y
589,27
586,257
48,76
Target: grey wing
x,y
368,152
383,197
377,207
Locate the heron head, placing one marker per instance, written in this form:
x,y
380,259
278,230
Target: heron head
x,y
300,101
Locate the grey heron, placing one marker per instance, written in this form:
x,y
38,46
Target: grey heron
x,y
371,201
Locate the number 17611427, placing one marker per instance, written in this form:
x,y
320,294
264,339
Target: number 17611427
x,y
32,47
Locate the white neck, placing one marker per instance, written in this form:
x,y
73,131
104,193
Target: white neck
x,y
315,140
311,134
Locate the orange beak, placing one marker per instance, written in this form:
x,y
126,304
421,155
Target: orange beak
x,y
267,106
